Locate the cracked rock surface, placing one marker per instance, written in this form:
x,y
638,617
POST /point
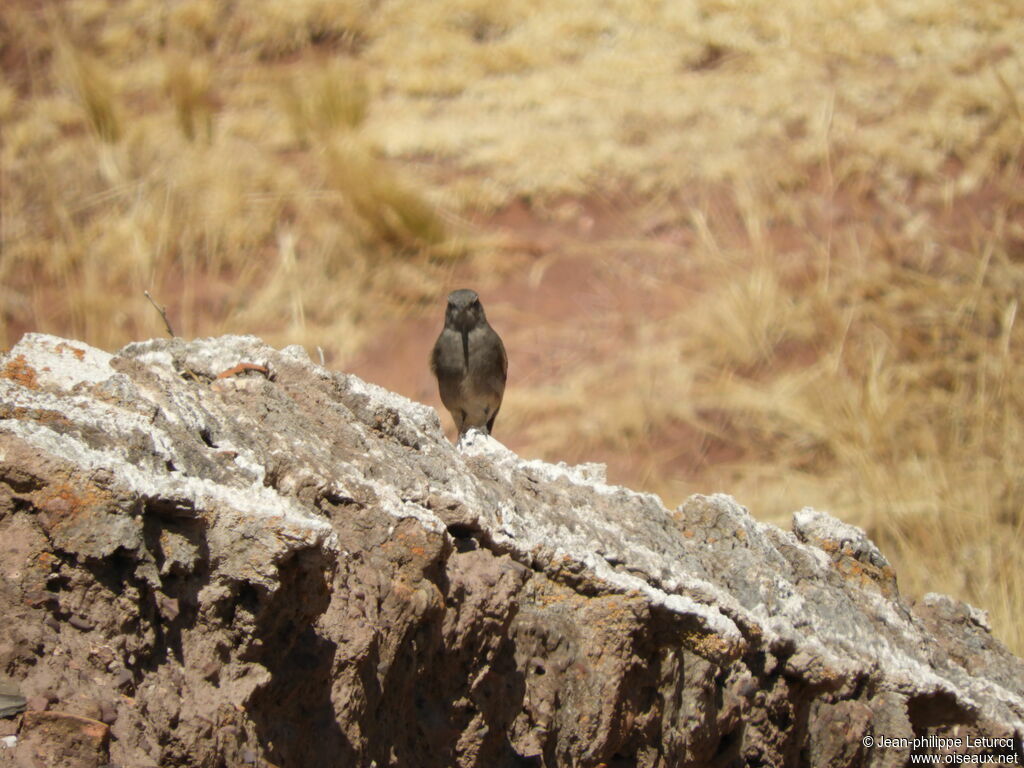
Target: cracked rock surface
x,y
214,553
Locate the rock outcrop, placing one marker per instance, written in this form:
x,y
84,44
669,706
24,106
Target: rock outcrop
x,y
214,553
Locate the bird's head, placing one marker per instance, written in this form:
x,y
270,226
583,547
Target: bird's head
x,y
464,310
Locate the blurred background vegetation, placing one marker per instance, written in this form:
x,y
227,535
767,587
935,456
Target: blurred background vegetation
x,y
772,249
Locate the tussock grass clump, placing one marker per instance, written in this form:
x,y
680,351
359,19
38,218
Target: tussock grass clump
x,y
94,89
275,29
188,82
332,101
327,114
389,210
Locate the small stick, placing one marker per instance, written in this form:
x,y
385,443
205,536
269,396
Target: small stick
x,y
242,367
163,313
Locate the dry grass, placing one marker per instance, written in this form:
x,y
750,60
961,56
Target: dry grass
x,y
239,189
846,176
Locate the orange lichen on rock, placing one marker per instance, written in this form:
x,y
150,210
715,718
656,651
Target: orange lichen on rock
x,y
62,505
19,371
882,578
65,347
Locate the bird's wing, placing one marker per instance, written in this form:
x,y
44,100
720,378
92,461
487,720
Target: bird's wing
x,y
434,354
504,358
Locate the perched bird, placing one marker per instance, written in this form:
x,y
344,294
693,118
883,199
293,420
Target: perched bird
x,y
470,364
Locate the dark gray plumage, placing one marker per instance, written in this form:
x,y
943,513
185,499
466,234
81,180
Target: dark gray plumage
x,y
470,364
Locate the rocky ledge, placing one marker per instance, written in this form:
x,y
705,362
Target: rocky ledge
x,y
214,553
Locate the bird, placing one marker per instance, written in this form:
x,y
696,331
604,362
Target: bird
x,y
470,364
